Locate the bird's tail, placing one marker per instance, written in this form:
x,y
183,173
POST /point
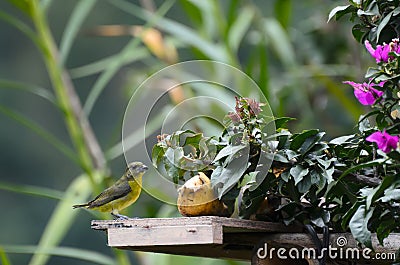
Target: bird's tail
x,y
80,205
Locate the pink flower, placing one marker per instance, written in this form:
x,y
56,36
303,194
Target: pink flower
x,y
381,53
234,117
385,141
365,92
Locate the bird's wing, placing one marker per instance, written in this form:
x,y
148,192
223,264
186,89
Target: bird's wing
x,y
112,193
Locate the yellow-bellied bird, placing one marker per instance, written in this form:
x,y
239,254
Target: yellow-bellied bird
x,y
121,194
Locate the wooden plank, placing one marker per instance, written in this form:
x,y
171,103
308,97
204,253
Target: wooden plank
x,y
228,224
219,237
164,235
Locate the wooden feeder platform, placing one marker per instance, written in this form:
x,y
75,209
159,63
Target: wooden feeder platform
x,y
219,237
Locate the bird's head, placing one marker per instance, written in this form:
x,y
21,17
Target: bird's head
x,y
135,169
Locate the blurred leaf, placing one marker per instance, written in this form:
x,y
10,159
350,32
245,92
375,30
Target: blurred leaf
x,y
102,64
45,4
359,226
22,5
81,11
279,39
119,61
283,12
87,255
3,257
39,91
110,71
62,217
21,26
192,12
239,28
178,30
34,127
137,136
337,92
32,190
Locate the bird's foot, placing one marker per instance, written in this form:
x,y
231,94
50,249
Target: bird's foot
x,y
118,216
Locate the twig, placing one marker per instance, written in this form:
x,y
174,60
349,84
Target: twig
x,y
372,181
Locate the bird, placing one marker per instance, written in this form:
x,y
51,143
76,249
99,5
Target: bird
x,y
121,194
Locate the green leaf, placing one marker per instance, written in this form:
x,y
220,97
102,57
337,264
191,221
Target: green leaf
x,y
299,139
229,150
328,174
359,225
230,175
383,24
349,214
361,166
80,13
342,139
384,229
298,173
174,155
69,252
193,140
305,184
311,142
32,190
157,154
378,191
339,9
372,72
282,122
391,195
62,217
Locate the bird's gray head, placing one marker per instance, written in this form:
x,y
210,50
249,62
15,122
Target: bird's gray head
x,y
135,169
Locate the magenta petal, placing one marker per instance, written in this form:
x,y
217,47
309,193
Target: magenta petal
x,y
376,93
385,53
384,141
365,98
369,48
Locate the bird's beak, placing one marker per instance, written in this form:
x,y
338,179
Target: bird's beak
x,y
144,168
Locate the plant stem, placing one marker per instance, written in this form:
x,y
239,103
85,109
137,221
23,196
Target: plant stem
x,y
84,141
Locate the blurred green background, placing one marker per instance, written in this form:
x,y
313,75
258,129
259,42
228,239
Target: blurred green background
x,y
296,57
